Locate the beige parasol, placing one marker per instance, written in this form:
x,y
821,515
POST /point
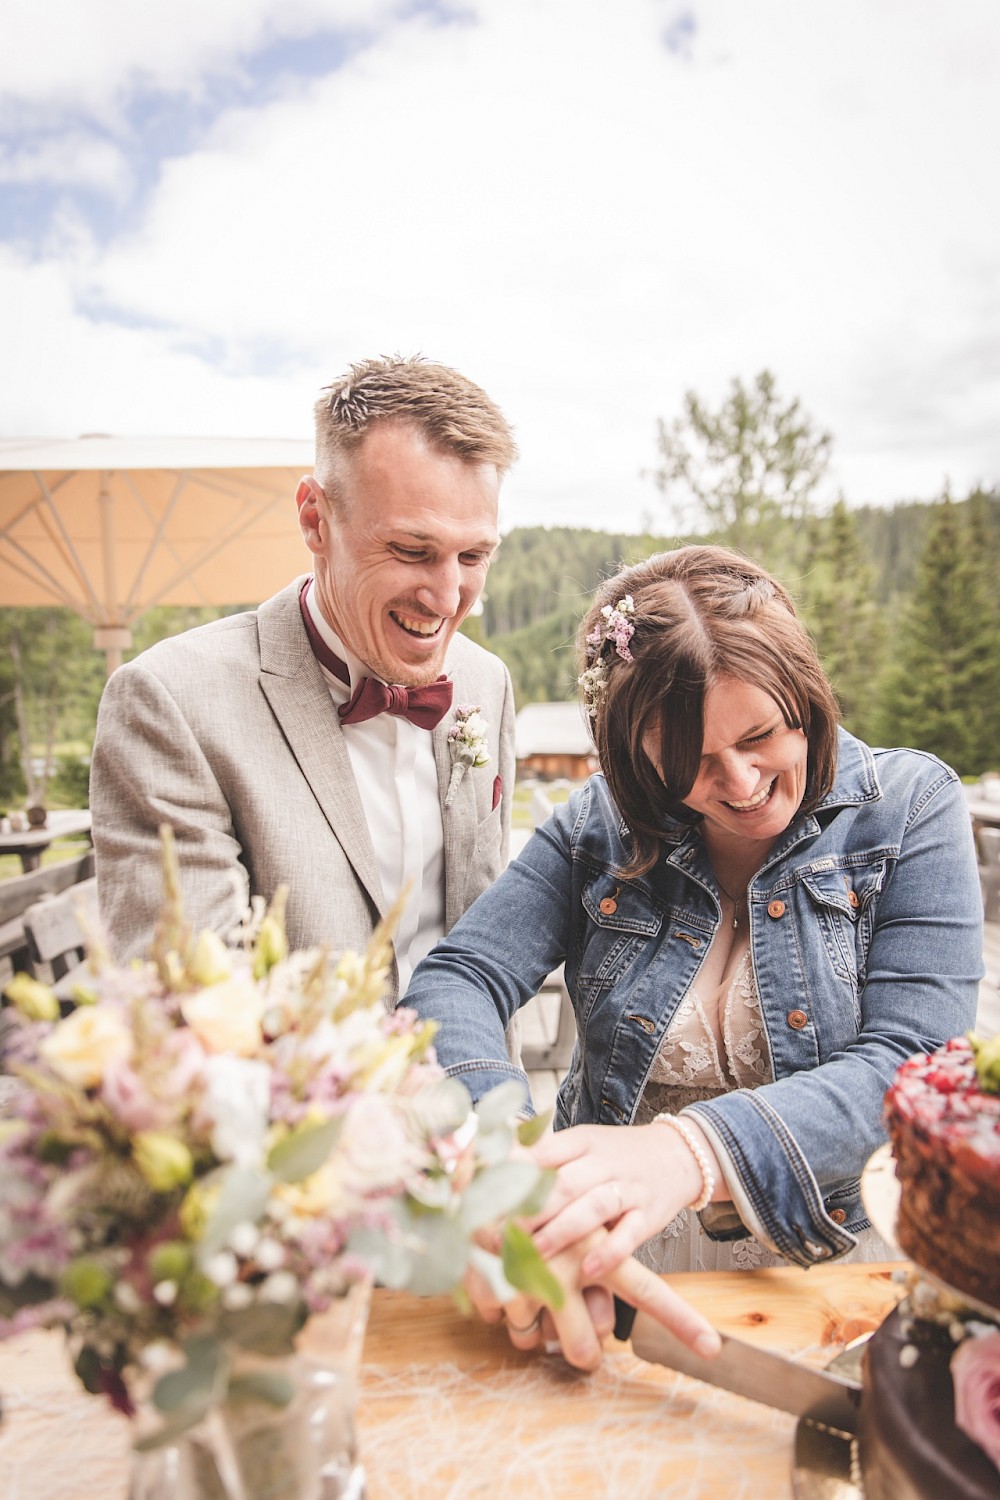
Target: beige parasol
x,y
111,526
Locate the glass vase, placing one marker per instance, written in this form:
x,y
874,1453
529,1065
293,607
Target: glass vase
x,y
250,1449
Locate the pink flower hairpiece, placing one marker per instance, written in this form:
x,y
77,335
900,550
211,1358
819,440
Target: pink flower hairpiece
x,y
618,627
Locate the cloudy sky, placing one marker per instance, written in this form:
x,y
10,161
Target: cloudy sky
x,y
210,207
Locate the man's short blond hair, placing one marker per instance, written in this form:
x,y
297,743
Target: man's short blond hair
x,y
450,412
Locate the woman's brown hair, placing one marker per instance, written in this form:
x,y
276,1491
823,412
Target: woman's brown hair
x,y
700,613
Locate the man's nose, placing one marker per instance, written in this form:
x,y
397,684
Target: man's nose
x,y
441,588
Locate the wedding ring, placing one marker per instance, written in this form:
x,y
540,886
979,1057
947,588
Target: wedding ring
x,y
532,1327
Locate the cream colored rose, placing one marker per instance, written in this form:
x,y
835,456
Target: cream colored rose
x,y
226,1017
85,1044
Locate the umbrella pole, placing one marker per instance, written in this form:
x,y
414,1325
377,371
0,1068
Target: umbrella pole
x,y
112,637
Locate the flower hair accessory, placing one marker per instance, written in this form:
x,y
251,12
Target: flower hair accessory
x,y
467,743
618,627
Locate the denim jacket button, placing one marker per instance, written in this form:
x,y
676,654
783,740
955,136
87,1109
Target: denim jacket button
x,y
797,1019
776,909
838,1215
854,899
609,906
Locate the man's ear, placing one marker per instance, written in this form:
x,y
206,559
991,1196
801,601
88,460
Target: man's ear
x,y
312,507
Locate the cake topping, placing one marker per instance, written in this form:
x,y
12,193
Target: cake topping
x,y
987,1057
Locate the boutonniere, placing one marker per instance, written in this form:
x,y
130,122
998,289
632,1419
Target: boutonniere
x,y
467,743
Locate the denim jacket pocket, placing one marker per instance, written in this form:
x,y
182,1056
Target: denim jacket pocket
x,y
843,899
621,920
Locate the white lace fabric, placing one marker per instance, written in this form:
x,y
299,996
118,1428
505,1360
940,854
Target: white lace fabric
x,y
717,1042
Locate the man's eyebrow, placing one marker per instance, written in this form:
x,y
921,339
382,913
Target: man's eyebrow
x,y
414,535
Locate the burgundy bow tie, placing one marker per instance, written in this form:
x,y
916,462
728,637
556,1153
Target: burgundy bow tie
x,y
423,706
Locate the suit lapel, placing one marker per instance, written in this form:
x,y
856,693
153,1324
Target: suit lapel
x,y
294,686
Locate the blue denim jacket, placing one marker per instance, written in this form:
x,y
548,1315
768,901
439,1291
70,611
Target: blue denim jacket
x,y
866,941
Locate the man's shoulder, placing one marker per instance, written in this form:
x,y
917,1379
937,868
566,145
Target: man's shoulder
x,y
223,645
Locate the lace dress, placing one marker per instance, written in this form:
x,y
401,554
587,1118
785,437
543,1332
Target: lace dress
x,y
708,1050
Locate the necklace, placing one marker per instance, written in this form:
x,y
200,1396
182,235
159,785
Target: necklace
x,y
736,900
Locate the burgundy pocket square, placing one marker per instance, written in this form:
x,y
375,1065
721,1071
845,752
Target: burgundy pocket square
x,y
497,790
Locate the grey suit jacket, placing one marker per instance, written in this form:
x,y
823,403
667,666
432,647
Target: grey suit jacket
x,y
229,734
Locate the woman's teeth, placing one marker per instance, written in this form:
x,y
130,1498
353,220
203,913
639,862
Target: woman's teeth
x,y
755,801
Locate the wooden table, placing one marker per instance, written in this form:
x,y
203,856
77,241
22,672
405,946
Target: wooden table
x,y
31,843
449,1409
984,810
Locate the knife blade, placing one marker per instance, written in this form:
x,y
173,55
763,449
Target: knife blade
x,y
822,1397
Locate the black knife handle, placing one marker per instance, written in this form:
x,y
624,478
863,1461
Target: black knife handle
x,y
624,1318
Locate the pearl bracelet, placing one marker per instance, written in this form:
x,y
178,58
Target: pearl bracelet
x,y
700,1155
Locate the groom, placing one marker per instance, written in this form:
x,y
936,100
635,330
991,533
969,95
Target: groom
x,y
307,743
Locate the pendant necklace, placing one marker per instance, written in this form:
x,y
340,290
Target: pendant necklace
x,y
736,900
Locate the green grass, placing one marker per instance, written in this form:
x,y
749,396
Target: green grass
x,y
56,854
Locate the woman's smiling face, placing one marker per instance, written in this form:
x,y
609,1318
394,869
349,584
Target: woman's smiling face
x,y
753,771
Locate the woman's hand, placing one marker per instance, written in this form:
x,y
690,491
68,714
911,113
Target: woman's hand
x,y
633,1179
586,1317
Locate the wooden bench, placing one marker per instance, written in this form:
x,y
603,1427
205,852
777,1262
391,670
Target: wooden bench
x,y
988,848
56,930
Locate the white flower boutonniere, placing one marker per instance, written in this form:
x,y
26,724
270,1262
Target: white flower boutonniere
x,y
467,743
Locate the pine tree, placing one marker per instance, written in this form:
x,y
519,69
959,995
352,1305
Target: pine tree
x,y
838,604
940,694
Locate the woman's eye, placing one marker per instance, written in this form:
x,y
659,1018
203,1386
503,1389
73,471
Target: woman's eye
x,y
757,739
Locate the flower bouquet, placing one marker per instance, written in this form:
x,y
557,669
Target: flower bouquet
x,y
216,1145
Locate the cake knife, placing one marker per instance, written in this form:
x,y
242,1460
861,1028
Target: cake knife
x,y
819,1396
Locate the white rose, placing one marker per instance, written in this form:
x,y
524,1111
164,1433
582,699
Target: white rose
x,y
226,1017
85,1044
374,1149
237,1101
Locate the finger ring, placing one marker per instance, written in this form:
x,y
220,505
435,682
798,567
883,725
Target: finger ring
x,y
532,1327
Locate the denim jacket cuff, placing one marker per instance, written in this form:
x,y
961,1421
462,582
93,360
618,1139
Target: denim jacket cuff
x,y
734,1220
773,1186
481,1074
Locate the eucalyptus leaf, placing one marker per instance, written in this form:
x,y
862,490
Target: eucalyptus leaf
x,y
181,1422
490,1268
530,1131
303,1151
242,1198
500,1105
494,1145
196,1381
525,1269
442,1107
271,1386
496,1192
386,1255
440,1257
265,1327
535,1201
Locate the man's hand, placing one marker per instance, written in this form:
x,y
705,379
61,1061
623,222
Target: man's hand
x,y
586,1317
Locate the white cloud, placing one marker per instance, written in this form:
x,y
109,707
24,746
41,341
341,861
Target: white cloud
x,y
87,54
68,160
587,223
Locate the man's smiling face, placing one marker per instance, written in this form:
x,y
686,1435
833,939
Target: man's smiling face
x,y
401,549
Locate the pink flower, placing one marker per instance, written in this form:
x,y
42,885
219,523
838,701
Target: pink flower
x,y
975,1370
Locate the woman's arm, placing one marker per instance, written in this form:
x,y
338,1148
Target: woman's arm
x,y
497,956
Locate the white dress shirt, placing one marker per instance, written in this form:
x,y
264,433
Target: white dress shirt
x,y
394,766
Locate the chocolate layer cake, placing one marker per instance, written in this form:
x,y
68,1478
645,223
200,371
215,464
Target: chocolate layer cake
x,y
945,1131
908,1444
